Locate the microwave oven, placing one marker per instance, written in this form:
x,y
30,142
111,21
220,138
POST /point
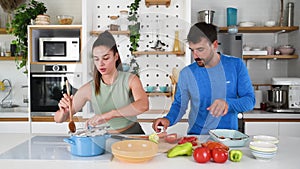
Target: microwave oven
x,y
59,49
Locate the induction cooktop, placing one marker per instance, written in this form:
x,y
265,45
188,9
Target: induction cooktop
x,y
47,148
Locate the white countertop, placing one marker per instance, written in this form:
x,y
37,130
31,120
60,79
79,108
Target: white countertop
x,y
287,156
269,115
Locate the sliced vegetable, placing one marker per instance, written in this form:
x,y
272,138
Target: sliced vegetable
x,y
181,150
213,144
171,138
154,138
191,139
235,155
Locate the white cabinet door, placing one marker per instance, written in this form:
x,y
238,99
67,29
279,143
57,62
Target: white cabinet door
x,y
179,128
262,128
52,127
15,127
289,129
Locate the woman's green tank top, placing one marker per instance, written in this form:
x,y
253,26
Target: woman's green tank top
x,y
114,96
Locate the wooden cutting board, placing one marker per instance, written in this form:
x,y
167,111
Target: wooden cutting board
x,y
163,146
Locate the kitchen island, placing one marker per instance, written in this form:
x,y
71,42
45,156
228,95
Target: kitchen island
x,y
287,157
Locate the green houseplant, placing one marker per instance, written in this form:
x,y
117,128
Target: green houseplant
x,y
134,25
23,16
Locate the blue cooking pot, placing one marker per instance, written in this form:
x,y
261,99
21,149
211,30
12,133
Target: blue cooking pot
x,y
87,146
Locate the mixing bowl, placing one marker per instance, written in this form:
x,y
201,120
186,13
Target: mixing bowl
x,y
134,151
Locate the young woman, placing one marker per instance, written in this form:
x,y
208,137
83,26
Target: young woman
x,y
117,97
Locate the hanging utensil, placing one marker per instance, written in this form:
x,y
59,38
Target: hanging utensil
x,y
72,126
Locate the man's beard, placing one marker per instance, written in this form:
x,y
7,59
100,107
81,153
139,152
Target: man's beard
x,y
200,62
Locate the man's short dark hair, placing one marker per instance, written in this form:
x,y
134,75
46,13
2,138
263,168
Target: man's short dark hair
x,y
202,30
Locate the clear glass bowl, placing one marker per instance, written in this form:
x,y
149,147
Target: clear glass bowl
x,y
65,19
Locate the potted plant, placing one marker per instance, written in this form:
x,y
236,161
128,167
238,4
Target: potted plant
x,y
134,25
135,66
23,15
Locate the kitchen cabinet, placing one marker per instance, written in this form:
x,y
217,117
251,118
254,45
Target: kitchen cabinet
x,y
53,128
14,127
289,129
273,128
37,31
262,128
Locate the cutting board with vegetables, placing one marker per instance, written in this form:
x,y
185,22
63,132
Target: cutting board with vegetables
x,y
164,146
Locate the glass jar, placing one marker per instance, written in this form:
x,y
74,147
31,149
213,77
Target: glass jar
x,y
123,20
176,47
114,23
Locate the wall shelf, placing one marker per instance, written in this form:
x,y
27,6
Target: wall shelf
x,y
96,33
157,2
245,57
10,58
158,53
3,31
261,29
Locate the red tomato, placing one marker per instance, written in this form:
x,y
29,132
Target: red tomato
x,y
202,154
219,155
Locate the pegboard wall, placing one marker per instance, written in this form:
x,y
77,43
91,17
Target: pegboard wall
x,y
158,22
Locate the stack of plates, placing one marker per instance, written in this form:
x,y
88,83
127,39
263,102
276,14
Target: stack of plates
x,y
42,20
263,150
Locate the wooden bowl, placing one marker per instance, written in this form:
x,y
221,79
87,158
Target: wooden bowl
x,y
134,151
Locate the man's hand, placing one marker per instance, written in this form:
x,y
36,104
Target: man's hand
x,y
218,108
160,122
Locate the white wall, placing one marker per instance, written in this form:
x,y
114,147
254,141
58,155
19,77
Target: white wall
x,y
257,11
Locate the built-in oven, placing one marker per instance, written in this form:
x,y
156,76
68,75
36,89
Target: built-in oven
x,y
47,85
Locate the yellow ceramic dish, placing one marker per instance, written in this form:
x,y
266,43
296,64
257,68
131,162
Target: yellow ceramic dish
x,y
134,151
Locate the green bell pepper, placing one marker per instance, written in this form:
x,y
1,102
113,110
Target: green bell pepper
x,y
180,150
235,155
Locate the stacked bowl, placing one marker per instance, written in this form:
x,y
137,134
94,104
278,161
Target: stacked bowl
x,y
264,147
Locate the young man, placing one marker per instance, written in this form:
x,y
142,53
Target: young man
x,y
217,86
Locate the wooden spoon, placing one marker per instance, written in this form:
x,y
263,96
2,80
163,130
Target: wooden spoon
x,y
72,126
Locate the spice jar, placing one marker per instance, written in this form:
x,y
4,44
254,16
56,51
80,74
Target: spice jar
x,y
114,25
123,20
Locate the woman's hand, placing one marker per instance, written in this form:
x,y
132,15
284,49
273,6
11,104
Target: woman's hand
x,y
97,119
61,115
160,122
218,108
65,102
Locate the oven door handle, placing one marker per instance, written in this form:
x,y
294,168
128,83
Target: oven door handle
x,y
53,75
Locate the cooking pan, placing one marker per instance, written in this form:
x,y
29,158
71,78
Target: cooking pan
x,y
87,145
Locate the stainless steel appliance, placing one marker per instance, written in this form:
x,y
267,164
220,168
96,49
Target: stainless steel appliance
x,y
59,49
231,44
286,97
47,85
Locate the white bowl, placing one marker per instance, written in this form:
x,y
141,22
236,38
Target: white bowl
x,y
270,23
265,138
247,24
263,146
263,155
